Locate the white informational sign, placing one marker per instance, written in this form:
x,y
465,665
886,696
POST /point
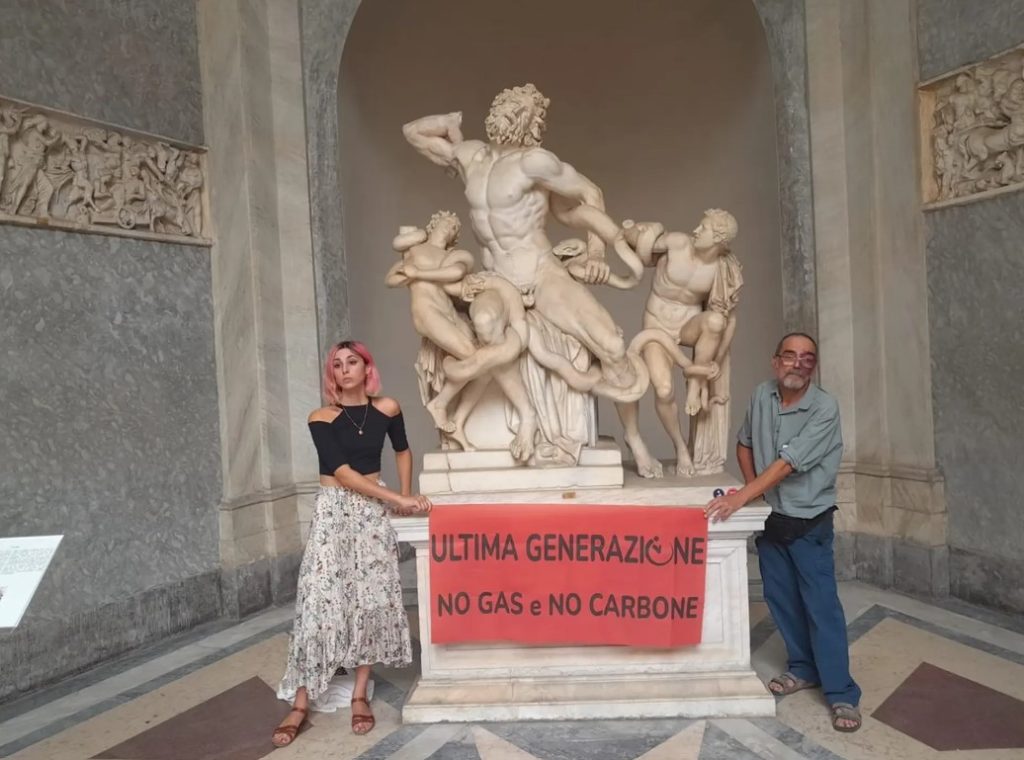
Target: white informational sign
x,y
23,561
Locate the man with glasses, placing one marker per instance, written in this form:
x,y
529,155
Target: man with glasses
x,y
789,449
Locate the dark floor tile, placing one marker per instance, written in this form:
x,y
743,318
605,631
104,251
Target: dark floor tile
x,y
234,725
75,683
949,712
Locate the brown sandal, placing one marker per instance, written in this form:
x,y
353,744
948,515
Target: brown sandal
x,y
290,732
845,711
358,721
789,684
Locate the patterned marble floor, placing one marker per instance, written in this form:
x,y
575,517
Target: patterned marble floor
x,y
939,681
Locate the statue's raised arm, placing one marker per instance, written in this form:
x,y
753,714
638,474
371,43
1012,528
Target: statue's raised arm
x,y
439,138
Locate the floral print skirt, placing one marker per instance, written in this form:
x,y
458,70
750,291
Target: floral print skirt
x,y
348,609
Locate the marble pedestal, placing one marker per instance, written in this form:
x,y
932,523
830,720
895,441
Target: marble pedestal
x,y
475,472
510,682
491,468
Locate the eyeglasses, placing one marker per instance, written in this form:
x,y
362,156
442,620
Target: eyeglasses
x,y
791,359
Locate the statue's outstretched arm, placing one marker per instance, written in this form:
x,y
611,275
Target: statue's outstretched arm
x,y
436,137
561,178
576,201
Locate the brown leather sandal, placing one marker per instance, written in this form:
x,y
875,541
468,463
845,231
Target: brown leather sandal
x,y
846,711
288,733
788,683
359,721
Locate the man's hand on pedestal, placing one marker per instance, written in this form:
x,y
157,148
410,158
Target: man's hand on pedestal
x,y
722,507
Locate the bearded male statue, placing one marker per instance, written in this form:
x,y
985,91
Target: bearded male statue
x,y
511,185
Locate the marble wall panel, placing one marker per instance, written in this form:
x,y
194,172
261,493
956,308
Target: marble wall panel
x,y
954,33
975,281
107,372
110,430
129,63
975,278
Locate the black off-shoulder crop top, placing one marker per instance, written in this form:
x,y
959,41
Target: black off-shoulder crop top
x,y
338,442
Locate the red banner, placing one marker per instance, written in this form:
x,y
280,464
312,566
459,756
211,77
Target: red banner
x,y
567,574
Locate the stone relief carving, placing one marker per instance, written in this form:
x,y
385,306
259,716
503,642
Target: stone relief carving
x,y
529,321
974,124
61,171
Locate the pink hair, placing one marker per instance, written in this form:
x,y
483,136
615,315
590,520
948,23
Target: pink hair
x,y
330,387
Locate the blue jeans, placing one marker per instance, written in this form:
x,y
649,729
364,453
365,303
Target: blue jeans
x,y
800,589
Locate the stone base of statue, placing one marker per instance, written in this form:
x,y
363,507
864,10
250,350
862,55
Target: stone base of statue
x,y
466,472
511,682
582,461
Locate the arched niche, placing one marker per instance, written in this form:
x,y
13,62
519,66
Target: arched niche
x,y
669,108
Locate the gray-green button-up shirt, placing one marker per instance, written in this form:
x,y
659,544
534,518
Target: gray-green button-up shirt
x,y
807,435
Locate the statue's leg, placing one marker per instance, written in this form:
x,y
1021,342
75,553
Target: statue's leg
x,y
661,367
511,383
703,332
484,359
437,407
646,465
491,313
470,397
572,308
581,381
447,335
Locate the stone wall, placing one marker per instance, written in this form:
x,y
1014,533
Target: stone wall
x,y
975,281
872,291
109,388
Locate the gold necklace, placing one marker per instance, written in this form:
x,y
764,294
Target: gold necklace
x,y
359,428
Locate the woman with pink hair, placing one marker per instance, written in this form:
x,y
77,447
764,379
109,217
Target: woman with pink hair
x,y
348,609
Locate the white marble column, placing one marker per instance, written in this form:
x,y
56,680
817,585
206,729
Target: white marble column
x,y
872,287
264,301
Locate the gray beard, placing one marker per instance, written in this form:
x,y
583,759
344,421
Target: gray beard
x,y
793,382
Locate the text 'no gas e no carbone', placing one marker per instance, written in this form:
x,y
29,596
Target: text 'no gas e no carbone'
x,y
529,573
